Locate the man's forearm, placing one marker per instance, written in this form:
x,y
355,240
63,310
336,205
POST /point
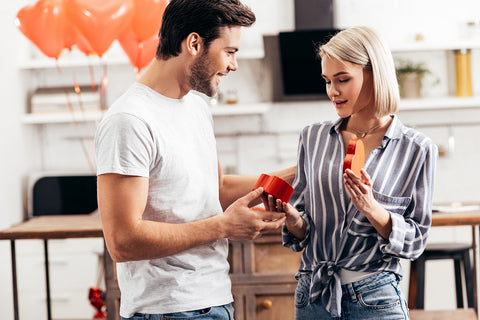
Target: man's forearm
x,y
233,187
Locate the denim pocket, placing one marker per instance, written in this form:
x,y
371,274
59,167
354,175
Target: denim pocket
x,y
302,291
385,296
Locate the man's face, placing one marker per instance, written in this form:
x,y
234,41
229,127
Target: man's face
x,y
215,62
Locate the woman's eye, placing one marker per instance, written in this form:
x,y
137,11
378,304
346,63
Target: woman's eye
x,y
343,80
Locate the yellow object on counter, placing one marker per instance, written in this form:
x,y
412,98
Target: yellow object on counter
x,y
463,74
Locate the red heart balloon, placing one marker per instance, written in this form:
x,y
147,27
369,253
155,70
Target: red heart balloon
x,y
141,53
147,19
43,23
100,21
74,38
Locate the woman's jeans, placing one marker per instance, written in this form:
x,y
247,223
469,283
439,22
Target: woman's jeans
x,y
376,297
214,313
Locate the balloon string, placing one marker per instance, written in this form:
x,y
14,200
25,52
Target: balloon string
x,y
70,106
59,70
78,92
92,78
87,154
103,87
139,56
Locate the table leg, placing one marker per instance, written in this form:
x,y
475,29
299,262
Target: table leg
x,y
475,247
47,279
14,279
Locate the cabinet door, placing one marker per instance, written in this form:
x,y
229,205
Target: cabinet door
x,y
267,256
272,301
274,306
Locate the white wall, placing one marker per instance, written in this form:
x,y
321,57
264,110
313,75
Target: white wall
x,y
24,150
402,20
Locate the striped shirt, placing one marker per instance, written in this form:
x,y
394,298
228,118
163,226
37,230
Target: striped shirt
x,y
338,235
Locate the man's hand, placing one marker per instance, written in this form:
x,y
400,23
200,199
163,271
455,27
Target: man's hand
x,y
243,223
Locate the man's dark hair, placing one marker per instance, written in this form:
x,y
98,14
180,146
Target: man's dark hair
x,y
205,17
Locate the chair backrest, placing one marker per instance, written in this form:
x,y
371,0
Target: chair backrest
x,y
62,194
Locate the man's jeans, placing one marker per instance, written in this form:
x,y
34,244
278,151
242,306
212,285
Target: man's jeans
x,y
214,313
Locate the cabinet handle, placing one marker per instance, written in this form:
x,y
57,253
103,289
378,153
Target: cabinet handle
x,y
267,304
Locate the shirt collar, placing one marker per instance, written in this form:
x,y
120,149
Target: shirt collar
x,y
394,131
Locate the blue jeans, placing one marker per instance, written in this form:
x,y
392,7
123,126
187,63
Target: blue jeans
x,y
214,313
376,297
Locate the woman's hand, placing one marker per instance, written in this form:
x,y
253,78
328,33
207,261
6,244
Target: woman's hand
x,y
360,191
294,222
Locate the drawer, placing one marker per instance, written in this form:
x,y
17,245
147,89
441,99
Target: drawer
x,y
72,271
73,304
59,246
269,256
264,302
274,306
264,256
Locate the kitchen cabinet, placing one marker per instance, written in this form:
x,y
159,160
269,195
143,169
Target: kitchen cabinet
x,y
263,282
69,294
262,273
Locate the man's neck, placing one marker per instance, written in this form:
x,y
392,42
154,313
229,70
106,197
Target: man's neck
x,y
167,77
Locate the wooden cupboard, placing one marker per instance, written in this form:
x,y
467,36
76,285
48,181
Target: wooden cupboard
x,y
263,282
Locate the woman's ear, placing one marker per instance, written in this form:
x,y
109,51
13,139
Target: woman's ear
x,y
194,43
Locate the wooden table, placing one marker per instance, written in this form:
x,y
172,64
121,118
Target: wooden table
x,y
46,228
463,218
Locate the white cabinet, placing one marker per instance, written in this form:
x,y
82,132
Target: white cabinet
x,y
74,267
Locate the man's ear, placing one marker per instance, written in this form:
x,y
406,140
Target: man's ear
x,y
194,43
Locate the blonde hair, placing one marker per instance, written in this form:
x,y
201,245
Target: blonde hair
x,y
363,46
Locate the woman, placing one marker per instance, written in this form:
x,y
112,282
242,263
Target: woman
x,y
355,229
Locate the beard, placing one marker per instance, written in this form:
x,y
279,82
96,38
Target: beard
x,y
200,79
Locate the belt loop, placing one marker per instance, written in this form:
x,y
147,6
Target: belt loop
x,y
351,292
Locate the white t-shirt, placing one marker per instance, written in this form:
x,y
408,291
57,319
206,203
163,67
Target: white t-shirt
x,y
170,141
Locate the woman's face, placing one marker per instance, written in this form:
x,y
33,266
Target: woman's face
x,y
349,86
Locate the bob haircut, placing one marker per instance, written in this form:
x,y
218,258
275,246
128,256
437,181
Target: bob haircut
x,y
205,17
363,46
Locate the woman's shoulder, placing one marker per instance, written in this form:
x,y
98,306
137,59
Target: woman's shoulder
x,y
319,126
407,134
417,139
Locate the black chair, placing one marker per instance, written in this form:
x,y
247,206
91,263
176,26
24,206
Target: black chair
x,y
460,254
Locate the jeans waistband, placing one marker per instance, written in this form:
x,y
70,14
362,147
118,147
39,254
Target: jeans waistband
x,y
376,280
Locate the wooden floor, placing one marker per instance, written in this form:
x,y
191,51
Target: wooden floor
x,y
460,314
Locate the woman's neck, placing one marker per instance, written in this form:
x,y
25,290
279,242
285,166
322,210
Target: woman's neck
x,y
362,127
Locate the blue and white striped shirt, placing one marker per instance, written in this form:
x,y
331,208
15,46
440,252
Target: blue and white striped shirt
x,y
338,235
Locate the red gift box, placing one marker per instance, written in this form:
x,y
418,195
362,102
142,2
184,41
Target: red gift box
x,y
275,186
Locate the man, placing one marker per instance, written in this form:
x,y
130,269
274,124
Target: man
x,y
160,189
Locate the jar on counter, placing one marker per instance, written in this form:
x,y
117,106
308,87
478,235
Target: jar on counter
x,y
463,73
